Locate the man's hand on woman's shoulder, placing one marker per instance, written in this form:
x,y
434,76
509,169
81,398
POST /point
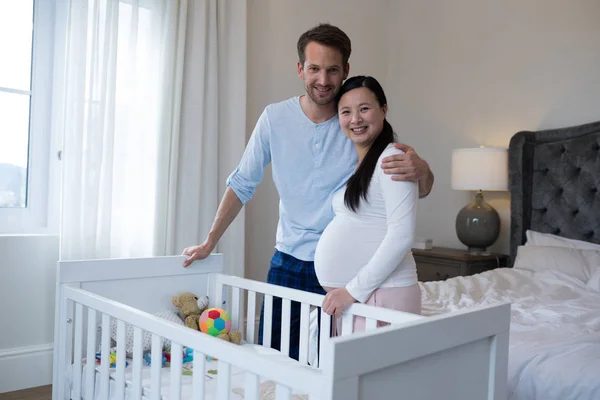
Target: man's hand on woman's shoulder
x,y
409,167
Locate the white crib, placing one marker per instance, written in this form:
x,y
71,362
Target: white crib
x,y
461,355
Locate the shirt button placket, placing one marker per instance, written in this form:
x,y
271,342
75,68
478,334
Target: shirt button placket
x,y
318,152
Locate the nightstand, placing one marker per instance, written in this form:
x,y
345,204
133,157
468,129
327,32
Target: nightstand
x,y
441,263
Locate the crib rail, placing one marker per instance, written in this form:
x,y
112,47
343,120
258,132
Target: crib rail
x,y
95,270
243,290
246,291
307,380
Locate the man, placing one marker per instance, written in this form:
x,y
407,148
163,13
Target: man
x,y
311,158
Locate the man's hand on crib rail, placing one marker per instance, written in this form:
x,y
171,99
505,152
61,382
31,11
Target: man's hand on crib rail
x,y
337,301
199,252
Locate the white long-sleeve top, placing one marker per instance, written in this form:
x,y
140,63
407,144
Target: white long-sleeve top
x,y
370,248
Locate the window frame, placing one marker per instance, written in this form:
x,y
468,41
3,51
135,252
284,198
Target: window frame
x,y
39,216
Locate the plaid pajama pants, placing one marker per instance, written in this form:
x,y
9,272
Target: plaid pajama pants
x,y
288,271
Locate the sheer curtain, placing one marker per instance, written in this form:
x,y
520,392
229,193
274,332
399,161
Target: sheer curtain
x,y
119,119
213,126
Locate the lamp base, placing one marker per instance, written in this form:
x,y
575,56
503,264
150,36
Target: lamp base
x,y
478,251
477,225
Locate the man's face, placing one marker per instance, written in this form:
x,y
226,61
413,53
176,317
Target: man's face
x,y
323,72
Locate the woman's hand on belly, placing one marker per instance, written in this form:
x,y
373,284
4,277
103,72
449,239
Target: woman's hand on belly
x,y
336,301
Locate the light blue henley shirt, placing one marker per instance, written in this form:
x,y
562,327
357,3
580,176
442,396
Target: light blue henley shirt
x,y
309,163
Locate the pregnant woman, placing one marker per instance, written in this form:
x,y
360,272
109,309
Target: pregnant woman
x,y
364,253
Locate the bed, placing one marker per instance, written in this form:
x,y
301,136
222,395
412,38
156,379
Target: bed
x,y
375,364
554,283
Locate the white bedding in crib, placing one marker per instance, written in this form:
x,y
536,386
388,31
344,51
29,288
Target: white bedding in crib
x,y
238,379
554,334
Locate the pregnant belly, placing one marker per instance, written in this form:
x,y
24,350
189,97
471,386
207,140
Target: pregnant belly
x,y
345,246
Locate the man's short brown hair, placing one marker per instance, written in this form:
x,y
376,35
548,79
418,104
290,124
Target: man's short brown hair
x,y
327,35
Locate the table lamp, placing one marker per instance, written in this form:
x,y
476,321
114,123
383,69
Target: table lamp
x,y
479,169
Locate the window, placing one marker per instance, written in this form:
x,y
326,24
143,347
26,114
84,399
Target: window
x,y
26,48
16,27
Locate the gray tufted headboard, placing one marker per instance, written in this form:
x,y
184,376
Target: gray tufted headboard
x,y
554,180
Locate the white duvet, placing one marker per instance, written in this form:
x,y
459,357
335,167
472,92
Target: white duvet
x,y
554,348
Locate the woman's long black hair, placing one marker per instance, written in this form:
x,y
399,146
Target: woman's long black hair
x,y
358,184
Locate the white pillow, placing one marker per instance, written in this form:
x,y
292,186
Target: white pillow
x,y
577,263
547,239
146,336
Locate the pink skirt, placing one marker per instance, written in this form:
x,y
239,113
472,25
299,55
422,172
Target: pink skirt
x,y
407,299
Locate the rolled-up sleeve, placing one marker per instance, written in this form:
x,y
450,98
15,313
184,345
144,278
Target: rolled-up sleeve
x,y
249,172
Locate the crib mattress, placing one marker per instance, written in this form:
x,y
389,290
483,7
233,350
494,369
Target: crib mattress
x,y
237,379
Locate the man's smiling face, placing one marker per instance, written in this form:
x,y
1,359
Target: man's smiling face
x,y
323,72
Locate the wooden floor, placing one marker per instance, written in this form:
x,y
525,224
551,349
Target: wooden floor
x,y
38,393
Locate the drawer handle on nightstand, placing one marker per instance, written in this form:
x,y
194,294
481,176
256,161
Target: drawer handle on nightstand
x,y
440,276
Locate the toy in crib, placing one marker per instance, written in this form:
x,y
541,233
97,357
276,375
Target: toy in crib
x,y
112,359
217,321
187,357
186,362
190,307
148,358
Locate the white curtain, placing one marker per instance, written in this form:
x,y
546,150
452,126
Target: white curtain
x,y
120,116
150,136
213,126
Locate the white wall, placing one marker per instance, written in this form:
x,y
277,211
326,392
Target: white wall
x,y
27,276
460,73
469,73
273,30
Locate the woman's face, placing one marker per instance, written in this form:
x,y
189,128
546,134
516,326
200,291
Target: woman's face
x,y
361,116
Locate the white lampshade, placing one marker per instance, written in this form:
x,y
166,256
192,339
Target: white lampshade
x,y
481,168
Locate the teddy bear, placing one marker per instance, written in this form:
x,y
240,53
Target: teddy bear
x,y
190,307
233,337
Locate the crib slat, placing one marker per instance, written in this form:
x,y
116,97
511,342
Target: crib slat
x,y
347,322
251,387
251,316
224,381
155,367
136,389
105,357
90,357
370,324
70,309
77,358
219,296
286,309
324,334
62,351
267,321
198,376
282,393
176,362
304,332
120,381
235,308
